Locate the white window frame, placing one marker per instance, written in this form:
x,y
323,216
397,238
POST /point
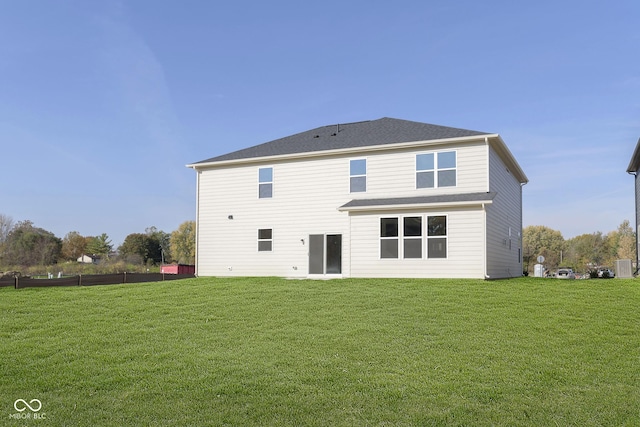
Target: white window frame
x,y
366,168
424,237
445,237
264,240
436,169
397,237
261,183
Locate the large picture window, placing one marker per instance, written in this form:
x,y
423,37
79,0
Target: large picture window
x,y
265,240
358,175
437,236
265,183
435,170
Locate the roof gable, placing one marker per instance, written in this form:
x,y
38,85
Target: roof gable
x,y
383,131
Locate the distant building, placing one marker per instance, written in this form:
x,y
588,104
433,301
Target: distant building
x,y
633,169
89,259
380,198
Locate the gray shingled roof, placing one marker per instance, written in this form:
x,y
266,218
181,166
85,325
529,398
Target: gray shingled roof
x,y
444,198
351,135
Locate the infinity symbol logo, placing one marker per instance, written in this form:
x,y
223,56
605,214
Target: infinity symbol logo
x,y
28,405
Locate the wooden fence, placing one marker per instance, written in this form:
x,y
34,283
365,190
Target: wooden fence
x,y
90,280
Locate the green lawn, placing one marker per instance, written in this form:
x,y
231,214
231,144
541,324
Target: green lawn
x,y
266,351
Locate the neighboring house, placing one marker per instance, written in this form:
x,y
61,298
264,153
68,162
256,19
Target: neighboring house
x,y
381,198
634,169
89,259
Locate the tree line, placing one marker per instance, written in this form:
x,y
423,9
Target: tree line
x,y
583,253
24,244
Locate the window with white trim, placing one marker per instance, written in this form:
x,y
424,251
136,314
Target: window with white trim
x,y
358,175
265,183
410,231
434,170
412,237
265,240
388,237
437,236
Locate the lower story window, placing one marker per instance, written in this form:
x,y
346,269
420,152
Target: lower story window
x,y
265,240
388,237
411,235
437,236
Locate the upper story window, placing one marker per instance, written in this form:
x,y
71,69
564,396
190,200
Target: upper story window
x,y
358,175
434,170
265,183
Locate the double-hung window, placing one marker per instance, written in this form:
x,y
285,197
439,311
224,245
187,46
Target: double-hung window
x,y
265,183
388,237
265,240
358,175
437,236
412,237
434,170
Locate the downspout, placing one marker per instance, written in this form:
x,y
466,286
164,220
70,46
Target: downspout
x,y
484,238
198,173
521,260
484,210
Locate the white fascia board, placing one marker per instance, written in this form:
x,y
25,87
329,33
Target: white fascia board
x,y
351,150
507,157
415,206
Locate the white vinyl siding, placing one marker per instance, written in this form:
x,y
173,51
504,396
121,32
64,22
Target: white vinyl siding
x,y
504,221
465,246
304,205
227,247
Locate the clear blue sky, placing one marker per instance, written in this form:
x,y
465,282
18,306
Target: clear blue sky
x,y
103,103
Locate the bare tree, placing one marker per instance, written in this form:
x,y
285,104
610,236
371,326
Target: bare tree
x,y
6,224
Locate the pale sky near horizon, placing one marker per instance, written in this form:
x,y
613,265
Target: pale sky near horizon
x,y
103,103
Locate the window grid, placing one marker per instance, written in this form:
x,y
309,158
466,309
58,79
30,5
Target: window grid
x,y
435,170
412,234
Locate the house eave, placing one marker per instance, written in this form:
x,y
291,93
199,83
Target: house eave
x,y
634,164
341,151
410,206
423,202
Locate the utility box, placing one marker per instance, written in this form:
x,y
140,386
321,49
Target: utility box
x,y
538,270
623,269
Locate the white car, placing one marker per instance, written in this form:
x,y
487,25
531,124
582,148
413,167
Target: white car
x,y
565,273
605,273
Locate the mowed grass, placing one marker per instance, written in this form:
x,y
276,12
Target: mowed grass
x,y
269,352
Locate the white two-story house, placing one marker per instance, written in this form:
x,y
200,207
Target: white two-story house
x,y
380,198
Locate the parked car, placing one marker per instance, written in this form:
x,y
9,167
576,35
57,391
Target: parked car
x,y
565,273
605,273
